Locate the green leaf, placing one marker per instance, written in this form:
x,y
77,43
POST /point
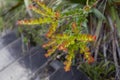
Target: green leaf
x,y
98,14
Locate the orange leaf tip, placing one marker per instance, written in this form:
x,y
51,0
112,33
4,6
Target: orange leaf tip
x,y
90,60
57,15
60,47
46,55
43,45
66,69
94,37
19,22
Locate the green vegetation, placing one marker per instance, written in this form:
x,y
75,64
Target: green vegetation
x,y
72,26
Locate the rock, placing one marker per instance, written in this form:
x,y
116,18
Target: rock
x,y
73,74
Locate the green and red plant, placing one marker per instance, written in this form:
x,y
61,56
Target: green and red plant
x,y
70,38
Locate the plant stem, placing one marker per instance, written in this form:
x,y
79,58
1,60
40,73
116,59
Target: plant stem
x,y
87,3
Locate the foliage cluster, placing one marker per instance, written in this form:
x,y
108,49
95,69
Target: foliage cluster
x,y
68,40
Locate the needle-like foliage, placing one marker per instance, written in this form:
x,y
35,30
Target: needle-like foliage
x,y
68,42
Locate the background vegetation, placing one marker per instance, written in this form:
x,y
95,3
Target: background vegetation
x,y
103,21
